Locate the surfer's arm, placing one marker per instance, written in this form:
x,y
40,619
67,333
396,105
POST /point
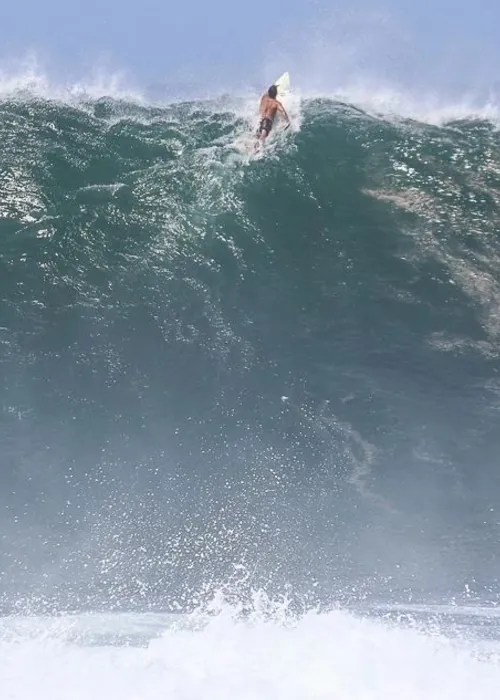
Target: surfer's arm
x,y
282,110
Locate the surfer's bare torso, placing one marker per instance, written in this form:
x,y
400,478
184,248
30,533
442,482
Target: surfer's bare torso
x,y
268,107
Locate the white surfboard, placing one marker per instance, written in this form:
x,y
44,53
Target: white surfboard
x,y
283,84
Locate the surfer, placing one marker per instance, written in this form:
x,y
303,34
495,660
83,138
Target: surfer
x,y
268,108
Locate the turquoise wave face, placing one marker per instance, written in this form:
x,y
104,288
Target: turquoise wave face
x,y
285,363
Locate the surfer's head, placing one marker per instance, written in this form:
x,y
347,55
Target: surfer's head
x,y
272,92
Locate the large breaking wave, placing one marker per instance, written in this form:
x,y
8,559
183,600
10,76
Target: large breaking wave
x,y
285,366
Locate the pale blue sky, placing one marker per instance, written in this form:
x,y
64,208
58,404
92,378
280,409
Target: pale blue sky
x,y
230,40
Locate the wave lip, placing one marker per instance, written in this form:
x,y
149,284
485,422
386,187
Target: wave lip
x,y
27,79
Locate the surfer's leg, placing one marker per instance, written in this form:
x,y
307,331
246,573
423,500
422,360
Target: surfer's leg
x,y
260,135
264,128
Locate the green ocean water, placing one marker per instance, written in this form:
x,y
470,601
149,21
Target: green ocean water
x,y
208,361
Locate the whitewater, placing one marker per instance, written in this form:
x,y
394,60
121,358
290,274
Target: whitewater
x,y
334,655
